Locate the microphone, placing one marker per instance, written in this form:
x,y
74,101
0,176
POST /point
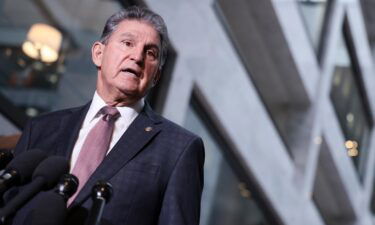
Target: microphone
x,y
45,176
67,186
51,208
5,157
101,194
20,169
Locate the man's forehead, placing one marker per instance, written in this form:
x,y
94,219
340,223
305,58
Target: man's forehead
x,y
127,34
134,28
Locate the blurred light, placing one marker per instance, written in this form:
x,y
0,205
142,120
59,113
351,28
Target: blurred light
x,y
350,117
349,144
243,190
31,112
318,140
38,66
8,52
21,62
336,80
346,89
53,78
43,43
352,148
353,152
245,193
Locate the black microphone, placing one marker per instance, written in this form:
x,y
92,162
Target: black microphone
x,y
101,194
20,169
45,176
51,207
5,157
67,186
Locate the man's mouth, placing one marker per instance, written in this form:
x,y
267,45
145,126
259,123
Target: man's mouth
x,y
131,71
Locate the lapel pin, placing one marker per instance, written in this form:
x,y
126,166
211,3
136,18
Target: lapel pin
x,y
148,129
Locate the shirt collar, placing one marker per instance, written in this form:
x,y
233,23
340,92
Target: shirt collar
x,y
97,103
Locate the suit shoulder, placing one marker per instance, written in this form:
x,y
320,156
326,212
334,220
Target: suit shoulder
x,y
172,128
50,116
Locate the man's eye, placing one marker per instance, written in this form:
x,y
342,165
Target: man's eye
x,y
127,43
152,54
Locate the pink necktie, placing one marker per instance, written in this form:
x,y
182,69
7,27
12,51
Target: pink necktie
x,y
95,147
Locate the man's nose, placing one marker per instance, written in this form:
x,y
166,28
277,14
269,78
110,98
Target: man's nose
x,y
138,56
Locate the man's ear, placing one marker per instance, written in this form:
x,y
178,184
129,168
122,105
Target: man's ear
x,y
156,77
97,50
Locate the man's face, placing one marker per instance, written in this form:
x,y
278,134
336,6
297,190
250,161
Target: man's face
x,y
128,64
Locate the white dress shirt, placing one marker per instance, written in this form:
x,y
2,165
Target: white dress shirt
x,y
127,115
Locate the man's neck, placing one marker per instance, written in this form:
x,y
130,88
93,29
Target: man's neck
x,y
128,101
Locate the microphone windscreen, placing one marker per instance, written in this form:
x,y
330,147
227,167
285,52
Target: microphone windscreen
x,y
103,190
26,162
51,169
5,157
50,210
67,186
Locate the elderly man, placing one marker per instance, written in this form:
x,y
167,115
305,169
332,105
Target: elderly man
x,y
154,165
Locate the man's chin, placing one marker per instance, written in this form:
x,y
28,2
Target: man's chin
x,y
129,92
130,95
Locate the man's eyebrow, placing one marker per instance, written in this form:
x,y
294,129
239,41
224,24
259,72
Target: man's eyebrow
x,y
132,36
152,45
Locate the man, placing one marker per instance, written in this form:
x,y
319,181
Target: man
x,y
154,166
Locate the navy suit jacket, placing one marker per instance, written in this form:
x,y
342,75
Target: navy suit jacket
x,y
156,174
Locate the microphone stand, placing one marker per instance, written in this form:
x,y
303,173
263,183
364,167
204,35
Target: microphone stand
x,y
101,194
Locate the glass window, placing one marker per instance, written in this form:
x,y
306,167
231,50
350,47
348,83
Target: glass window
x,y
45,56
314,14
350,105
329,195
372,204
226,199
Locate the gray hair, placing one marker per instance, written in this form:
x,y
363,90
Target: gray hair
x,y
140,14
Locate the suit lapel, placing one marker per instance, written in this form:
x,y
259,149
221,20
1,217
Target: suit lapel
x,y
69,130
139,133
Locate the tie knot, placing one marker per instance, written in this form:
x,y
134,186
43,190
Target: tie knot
x,y
110,113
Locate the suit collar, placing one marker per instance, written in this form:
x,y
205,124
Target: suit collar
x,y
128,113
139,133
151,114
69,128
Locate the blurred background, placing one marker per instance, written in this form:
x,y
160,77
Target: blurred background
x,y
282,92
